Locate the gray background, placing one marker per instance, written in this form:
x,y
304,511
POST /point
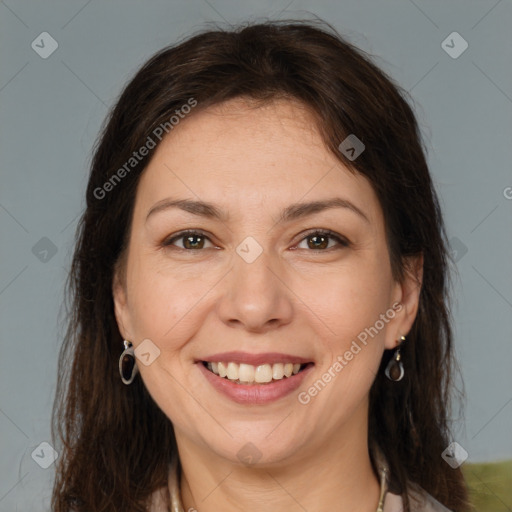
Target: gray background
x,y
51,110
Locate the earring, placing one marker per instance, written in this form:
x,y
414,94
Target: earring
x,y
395,369
127,364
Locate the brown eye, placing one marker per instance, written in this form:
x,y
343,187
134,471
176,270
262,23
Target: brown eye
x,y
193,242
322,240
318,242
189,241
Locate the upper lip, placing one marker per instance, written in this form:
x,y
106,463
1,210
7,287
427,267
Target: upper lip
x,y
255,359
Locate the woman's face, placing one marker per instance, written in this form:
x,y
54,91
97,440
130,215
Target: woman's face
x,y
287,265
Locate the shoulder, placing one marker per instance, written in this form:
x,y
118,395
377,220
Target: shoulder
x,y
159,501
420,501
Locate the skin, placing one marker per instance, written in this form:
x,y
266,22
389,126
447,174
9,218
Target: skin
x,y
251,162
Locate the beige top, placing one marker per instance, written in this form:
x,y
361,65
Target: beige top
x,y
420,500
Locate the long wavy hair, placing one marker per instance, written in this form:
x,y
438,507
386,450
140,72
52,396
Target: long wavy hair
x,y
115,442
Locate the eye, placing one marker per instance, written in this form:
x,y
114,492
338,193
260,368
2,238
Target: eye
x,y
322,240
189,240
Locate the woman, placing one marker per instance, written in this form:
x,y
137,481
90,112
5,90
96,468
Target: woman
x,y
259,290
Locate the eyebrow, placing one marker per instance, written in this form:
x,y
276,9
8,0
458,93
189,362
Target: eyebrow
x,y
292,212
299,210
200,208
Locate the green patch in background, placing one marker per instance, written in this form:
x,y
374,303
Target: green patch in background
x,y
490,486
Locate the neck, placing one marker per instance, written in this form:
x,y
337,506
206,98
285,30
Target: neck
x,y
337,473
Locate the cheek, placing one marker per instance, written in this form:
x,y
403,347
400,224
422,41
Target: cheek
x,y
354,305
349,300
351,351
360,319
161,304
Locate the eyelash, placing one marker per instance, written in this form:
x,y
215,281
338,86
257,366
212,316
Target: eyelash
x,y
343,242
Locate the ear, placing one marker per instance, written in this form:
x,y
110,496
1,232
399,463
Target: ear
x,y
121,309
406,298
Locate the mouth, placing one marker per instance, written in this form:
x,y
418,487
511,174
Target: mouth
x,y
248,374
251,379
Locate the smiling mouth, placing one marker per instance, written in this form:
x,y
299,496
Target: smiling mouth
x,y
250,374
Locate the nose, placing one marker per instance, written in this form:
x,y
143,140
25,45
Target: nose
x,y
255,296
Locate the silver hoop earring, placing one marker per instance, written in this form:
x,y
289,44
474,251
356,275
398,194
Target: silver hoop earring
x,y
395,368
128,364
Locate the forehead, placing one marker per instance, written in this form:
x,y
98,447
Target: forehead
x,y
268,132
241,152
286,118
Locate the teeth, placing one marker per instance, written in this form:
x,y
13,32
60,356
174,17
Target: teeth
x,y
223,371
246,373
263,373
233,371
249,374
278,371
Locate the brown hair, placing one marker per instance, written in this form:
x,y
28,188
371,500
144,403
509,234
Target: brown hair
x,y
116,443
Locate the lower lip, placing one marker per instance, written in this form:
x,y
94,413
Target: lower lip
x,y
255,393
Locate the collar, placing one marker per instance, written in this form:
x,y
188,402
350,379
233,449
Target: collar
x,y
176,504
